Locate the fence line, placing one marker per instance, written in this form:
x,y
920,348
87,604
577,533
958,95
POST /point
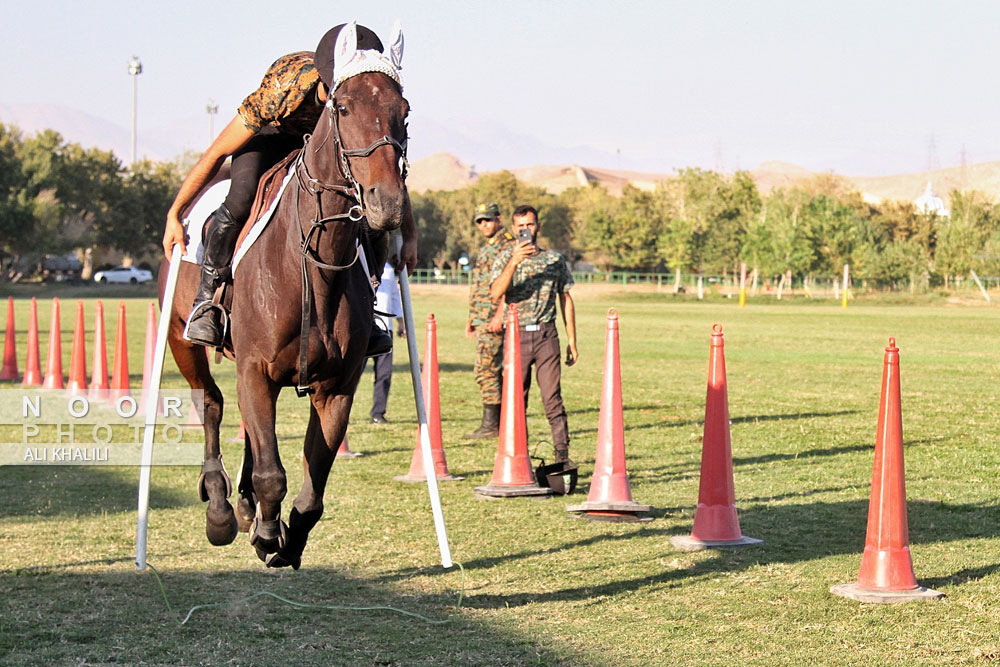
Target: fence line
x,y
728,285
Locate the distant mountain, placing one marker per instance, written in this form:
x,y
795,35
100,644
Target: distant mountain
x,y
446,172
484,147
491,147
441,171
157,143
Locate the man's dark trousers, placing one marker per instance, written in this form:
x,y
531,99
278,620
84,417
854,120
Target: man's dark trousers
x,y
541,349
383,379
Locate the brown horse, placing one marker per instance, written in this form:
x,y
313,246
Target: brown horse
x,y
301,281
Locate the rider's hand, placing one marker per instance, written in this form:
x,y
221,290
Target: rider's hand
x,y
173,233
408,255
470,330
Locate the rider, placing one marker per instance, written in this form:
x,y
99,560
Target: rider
x,y
269,124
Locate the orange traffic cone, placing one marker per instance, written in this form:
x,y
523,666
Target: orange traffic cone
x,y
242,435
78,360
345,452
9,370
886,567
716,523
512,474
53,365
610,497
99,376
32,367
432,399
119,373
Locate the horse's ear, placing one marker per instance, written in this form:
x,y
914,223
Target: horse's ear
x,y
347,44
396,45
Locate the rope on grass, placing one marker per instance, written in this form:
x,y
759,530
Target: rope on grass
x,y
305,605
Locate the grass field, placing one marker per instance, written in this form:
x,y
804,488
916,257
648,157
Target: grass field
x,y
542,588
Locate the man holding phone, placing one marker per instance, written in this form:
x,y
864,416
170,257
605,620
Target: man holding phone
x,y
535,280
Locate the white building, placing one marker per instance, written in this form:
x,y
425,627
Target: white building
x,y
929,202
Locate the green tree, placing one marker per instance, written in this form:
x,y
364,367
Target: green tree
x,y
717,211
431,230
962,238
589,210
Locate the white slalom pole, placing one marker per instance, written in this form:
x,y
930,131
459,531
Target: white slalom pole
x,y
153,392
418,395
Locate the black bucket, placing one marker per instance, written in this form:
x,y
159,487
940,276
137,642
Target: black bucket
x,y
560,477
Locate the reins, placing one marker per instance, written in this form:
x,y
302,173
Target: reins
x,y
317,225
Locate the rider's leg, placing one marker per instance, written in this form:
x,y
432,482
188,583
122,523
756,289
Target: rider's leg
x,y
262,152
380,340
204,325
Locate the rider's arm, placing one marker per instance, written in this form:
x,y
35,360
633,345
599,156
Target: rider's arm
x,y
230,140
500,284
569,321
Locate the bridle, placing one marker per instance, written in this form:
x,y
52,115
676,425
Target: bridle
x,y
315,186
356,213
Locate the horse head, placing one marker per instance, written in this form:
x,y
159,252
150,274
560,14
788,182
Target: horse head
x,y
364,123
371,114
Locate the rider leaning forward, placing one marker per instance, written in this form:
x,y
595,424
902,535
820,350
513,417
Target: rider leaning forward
x,y
269,124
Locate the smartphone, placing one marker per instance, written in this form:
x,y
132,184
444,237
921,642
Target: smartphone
x,y
524,234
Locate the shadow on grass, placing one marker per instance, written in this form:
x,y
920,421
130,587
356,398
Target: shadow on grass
x,y
65,615
447,367
670,472
791,534
747,419
46,491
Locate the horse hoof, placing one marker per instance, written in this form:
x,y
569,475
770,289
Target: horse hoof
x,y
245,513
221,528
268,536
279,560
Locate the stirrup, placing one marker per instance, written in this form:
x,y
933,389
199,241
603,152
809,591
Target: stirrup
x,y
199,311
379,340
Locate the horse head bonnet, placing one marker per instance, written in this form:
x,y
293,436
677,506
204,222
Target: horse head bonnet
x,y
351,49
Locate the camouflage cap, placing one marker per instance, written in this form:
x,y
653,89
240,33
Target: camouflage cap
x,y
487,211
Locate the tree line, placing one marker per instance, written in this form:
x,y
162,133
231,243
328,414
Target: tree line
x,y
57,197
709,223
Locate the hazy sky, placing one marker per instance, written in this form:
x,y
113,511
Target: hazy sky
x,y
857,87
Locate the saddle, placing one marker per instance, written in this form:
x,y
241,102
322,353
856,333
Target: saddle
x,y
267,191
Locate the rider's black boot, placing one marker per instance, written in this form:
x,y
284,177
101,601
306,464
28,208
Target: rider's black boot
x,y
205,324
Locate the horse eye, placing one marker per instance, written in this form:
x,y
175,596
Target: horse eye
x,y
341,109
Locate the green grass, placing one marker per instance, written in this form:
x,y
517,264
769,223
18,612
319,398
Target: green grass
x,y
542,588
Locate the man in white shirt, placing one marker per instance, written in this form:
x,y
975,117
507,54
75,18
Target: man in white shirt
x,y
387,308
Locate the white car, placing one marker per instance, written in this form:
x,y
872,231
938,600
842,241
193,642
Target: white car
x,y
123,274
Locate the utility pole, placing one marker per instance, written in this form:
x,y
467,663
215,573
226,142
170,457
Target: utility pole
x,y
134,70
212,108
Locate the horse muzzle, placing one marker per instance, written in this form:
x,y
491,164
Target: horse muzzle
x,y
384,207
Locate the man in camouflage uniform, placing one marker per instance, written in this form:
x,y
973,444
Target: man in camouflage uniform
x,y
535,279
486,319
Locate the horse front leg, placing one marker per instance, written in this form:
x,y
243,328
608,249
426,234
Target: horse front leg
x,y
214,485
328,416
258,396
